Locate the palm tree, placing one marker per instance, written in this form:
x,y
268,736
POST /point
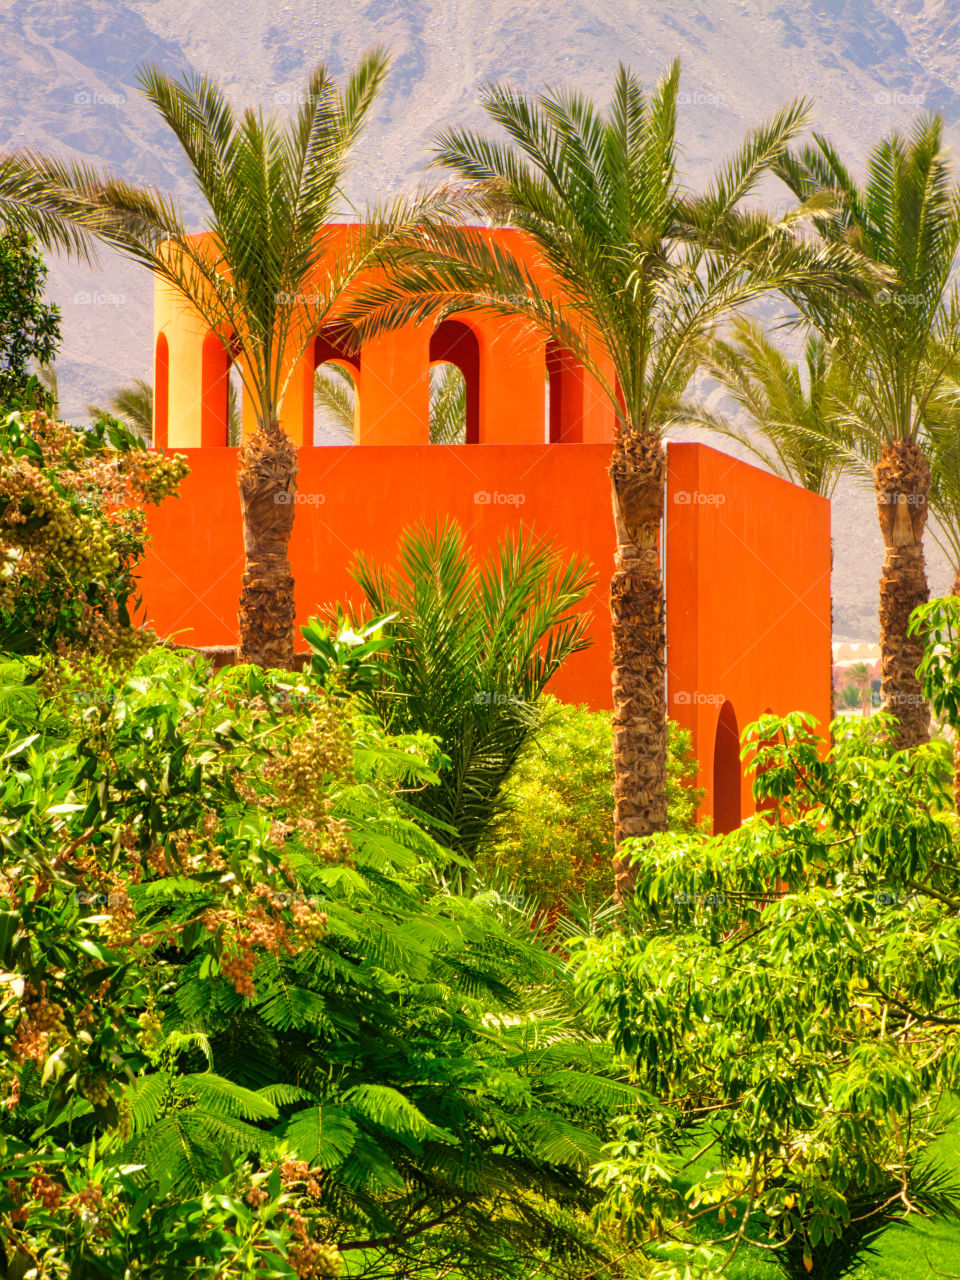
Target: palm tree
x,y
50,382
265,277
895,344
471,651
335,394
643,271
793,411
41,198
860,680
133,405
942,423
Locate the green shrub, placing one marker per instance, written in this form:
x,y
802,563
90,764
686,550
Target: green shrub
x,y
72,533
233,981
788,994
462,651
556,838
29,327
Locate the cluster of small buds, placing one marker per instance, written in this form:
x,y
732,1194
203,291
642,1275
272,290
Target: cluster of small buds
x,y
21,1213
151,1030
58,441
279,832
239,970
156,859
48,1192
255,1197
297,1171
95,1087
110,898
85,550
40,1022
312,1259
87,1202
321,749
154,476
310,923
263,929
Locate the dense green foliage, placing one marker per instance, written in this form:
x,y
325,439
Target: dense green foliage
x,y
463,653
555,838
232,972
29,327
787,996
72,532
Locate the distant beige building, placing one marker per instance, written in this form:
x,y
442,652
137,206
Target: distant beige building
x,y
847,654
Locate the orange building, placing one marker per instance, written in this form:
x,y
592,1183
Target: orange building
x,y
747,556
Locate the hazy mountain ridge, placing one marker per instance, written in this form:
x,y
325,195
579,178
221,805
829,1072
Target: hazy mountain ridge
x,y
69,85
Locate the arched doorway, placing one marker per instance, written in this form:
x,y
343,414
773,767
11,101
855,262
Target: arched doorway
x,y
215,391
726,772
336,400
455,343
565,375
448,404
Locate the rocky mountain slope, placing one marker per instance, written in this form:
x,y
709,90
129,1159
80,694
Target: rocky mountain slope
x,y
68,84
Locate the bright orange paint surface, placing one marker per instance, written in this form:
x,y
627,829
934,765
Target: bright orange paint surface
x,y
747,577
747,555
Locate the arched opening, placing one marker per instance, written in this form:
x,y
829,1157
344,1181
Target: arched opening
x,y
235,390
215,393
726,772
161,393
455,343
336,404
448,404
565,384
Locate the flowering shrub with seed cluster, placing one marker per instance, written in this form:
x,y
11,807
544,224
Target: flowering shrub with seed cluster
x,y
72,532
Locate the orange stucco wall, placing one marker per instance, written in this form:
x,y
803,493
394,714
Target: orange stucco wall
x,y
747,556
747,559
392,378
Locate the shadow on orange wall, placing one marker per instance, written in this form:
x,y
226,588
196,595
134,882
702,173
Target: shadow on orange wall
x,y
747,563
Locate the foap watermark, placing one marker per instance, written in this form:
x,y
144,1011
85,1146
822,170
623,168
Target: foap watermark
x,y
897,98
695,498
280,898
899,298
895,700
885,898
902,499
94,697
94,298
286,299
686,698
85,898
706,899
491,697
697,98
296,98
497,499
97,98
300,499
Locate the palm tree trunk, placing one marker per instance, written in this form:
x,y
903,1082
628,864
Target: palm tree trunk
x,y
638,472
902,485
268,486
